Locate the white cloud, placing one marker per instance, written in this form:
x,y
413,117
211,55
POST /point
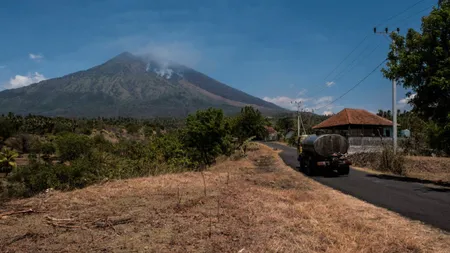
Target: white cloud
x,y
403,102
2,66
291,85
308,104
327,113
285,102
323,100
329,84
183,53
302,92
36,57
20,81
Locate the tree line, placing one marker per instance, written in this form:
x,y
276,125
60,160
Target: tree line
x,y
73,153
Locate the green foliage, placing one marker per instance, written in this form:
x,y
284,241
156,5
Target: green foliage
x,y
421,61
7,129
71,146
132,128
249,122
207,135
7,160
284,124
47,149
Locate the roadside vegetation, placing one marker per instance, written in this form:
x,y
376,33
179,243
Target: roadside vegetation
x,y
65,154
251,204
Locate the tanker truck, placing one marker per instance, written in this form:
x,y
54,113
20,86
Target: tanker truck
x,y
323,153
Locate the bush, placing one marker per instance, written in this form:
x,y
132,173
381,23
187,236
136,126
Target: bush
x,y
132,128
21,142
388,161
71,146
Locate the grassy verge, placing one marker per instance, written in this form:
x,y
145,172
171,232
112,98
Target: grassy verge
x,y
255,204
432,169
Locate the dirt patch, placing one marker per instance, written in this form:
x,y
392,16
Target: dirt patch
x,y
246,208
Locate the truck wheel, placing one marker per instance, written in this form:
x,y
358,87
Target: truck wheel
x,y
344,170
309,169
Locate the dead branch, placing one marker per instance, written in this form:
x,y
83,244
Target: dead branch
x,y
204,183
56,224
55,219
17,212
110,223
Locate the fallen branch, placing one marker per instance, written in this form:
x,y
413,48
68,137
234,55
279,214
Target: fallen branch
x,y
17,212
55,219
111,223
55,224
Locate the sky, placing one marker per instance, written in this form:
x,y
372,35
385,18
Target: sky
x,y
278,50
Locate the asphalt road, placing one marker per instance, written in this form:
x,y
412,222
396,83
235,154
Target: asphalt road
x,y
427,203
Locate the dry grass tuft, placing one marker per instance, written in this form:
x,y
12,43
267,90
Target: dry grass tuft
x,y
257,204
435,169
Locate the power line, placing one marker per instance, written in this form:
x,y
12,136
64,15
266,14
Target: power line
x,y
356,85
357,60
402,22
346,57
400,13
350,67
361,42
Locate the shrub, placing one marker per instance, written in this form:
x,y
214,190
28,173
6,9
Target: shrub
x,y
47,149
71,146
132,128
388,161
20,142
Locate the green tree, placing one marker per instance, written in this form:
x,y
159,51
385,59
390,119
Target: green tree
x,y
420,61
207,134
248,123
71,146
284,124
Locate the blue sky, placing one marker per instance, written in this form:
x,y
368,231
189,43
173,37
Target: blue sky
x,y
276,50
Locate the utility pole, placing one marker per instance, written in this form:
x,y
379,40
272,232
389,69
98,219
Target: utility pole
x,y
299,117
394,94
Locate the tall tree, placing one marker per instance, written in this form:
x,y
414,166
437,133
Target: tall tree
x,y
420,61
249,122
208,133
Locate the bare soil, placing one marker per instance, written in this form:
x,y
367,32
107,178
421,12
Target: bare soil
x,y
256,204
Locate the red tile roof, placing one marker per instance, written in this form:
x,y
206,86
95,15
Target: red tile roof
x,y
353,117
270,130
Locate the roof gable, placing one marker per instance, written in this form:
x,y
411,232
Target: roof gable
x,y
350,116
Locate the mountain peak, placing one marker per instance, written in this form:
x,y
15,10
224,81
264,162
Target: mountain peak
x,y
124,56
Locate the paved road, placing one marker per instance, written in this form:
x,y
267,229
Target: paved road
x,y
427,203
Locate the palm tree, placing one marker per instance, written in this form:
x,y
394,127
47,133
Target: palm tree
x,y
7,160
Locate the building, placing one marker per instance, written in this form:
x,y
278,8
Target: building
x,y
272,134
356,123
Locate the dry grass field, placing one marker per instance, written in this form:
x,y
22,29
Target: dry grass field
x,y
256,204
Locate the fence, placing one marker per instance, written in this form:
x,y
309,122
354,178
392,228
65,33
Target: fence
x,y
368,144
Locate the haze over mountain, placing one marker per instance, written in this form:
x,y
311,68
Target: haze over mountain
x,y
129,85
